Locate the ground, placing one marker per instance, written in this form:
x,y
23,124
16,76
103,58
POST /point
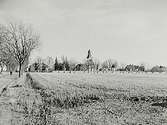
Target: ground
x,y
84,99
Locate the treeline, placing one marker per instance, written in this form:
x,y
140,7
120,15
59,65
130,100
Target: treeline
x,y
49,65
141,68
17,41
94,65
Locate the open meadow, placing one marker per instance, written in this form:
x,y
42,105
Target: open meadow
x,y
84,99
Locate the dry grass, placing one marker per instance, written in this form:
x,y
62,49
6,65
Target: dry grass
x,y
91,99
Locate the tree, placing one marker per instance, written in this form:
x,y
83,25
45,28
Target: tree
x,y
109,64
56,65
6,56
88,64
50,62
130,68
72,64
65,63
80,67
135,68
89,61
38,65
159,69
145,65
96,64
5,60
142,68
1,67
20,41
121,67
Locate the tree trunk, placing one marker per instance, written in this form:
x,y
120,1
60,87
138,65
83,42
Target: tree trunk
x,y
19,70
1,69
9,69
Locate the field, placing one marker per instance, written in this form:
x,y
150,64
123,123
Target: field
x,y
84,99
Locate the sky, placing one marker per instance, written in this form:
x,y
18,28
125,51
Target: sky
x,y
130,31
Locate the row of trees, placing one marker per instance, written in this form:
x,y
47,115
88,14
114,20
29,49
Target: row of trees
x,y
90,64
142,68
49,64
17,41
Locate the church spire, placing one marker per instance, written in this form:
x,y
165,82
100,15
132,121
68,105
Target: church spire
x,y
89,56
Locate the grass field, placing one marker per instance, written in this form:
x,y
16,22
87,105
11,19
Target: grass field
x,y
133,82
86,99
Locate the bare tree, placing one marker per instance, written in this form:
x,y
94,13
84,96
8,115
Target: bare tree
x,y
10,64
72,64
50,62
6,56
39,62
96,64
89,61
104,66
20,40
110,64
1,67
8,61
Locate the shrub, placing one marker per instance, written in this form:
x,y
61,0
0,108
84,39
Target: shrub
x,y
159,69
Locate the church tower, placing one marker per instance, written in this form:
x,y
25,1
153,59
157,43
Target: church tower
x,y
89,56
89,61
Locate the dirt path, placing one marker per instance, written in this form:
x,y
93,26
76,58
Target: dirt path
x,y
5,112
7,98
5,117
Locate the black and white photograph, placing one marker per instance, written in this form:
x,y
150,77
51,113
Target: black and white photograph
x,y
83,62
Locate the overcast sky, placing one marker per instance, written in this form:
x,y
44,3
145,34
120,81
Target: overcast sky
x,y
130,31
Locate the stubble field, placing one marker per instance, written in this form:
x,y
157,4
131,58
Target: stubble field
x,y
86,99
